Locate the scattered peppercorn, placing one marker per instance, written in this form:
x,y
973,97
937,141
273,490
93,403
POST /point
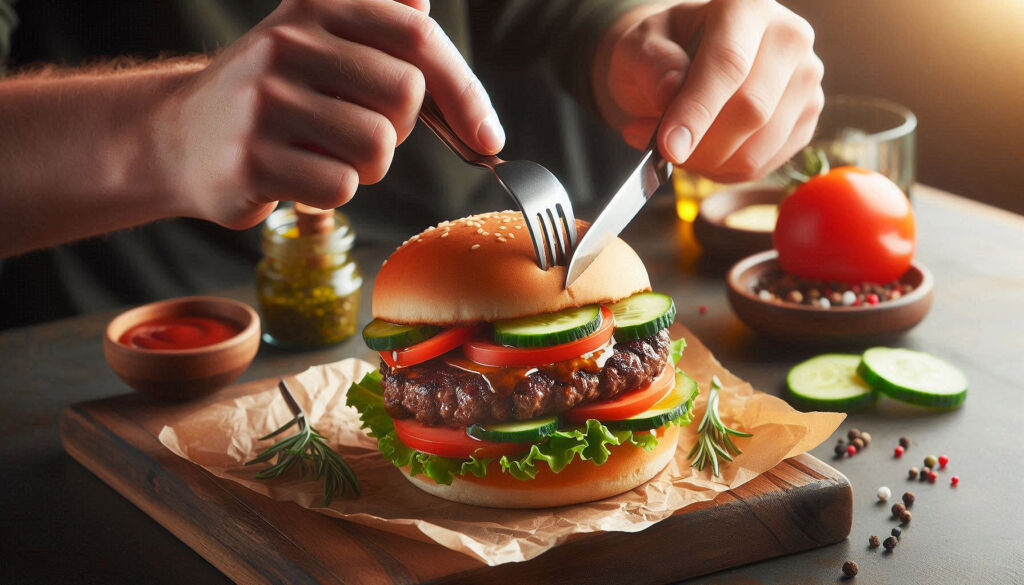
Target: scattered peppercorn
x,y
925,473
850,569
896,532
866,437
930,461
905,442
872,299
851,450
890,543
898,509
943,460
932,476
703,309
905,517
908,499
777,286
884,494
858,443
840,449
912,472
852,434
953,481
873,542
898,451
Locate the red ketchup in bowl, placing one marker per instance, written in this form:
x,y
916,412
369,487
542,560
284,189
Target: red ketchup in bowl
x,y
182,332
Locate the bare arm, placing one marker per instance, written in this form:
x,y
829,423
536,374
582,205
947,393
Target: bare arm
x,y
306,106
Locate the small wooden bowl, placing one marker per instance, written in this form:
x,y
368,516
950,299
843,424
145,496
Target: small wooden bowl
x,y
807,324
725,243
187,373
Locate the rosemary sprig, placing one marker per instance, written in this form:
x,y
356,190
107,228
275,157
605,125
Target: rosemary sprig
x,y
713,436
308,447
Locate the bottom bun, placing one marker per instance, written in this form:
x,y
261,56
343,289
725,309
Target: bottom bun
x,y
627,467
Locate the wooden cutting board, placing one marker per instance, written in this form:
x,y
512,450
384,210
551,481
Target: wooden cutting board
x,y
800,504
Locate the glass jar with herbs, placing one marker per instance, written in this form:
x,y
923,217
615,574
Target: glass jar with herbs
x,y
308,282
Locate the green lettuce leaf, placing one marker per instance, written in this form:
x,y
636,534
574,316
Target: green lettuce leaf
x,y
589,442
676,350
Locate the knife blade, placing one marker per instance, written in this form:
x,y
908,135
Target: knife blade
x,y
652,173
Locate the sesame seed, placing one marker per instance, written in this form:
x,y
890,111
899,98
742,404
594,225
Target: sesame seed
x,y
485,233
518,227
502,227
503,240
513,236
474,246
444,235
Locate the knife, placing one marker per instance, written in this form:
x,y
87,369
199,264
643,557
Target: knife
x,y
652,173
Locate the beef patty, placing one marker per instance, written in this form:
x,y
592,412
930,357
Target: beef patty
x,y
439,393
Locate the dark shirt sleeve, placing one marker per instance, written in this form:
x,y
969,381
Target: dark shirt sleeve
x,y
8,20
563,34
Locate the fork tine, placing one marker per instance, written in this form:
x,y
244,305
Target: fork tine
x,y
565,213
559,244
550,235
537,235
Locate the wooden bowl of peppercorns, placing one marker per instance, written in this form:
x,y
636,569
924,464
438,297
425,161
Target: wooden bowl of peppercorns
x,y
794,312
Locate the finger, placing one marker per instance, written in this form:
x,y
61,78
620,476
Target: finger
x,y
287,173
801,136
354,73
421,5
775,142
362,138
721,65
752,106
654,64
637,133
414,37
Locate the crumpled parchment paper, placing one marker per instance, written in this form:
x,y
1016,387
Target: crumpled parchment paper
x,y
222,436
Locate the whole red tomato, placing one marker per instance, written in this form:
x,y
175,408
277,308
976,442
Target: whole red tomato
x,y
849,225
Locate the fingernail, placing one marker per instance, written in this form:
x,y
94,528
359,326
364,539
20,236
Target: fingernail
x,y
490,134
678,143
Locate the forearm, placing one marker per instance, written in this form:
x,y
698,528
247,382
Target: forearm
x,y
78,155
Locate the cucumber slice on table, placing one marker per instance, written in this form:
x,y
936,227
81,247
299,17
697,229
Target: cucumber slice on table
x,y
830,382
549,328
383,336
914,377
667,409
514,432
642,315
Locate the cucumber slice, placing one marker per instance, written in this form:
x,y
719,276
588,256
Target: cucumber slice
x,y
642,315
515,432
830,382
549,328
383,336
667,409
914,377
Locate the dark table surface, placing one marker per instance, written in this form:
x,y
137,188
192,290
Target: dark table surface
x,y
60,524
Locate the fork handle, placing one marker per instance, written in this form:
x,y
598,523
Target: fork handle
x,y
432,118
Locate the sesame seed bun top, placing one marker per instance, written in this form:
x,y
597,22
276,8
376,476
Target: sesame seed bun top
x,y
483,268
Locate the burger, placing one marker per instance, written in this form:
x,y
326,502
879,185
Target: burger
x,y
500,387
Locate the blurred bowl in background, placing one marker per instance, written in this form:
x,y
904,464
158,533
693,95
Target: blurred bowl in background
x,y
724,242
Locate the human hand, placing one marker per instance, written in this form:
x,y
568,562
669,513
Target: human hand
x,y
311,103
747,101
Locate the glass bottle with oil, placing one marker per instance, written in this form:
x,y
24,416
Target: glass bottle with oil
x,y
308,283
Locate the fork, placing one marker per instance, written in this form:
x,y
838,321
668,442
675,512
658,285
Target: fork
x,y
537,192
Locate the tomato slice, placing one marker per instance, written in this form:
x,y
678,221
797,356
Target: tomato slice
x,y
628,404
488,353
451,442
441,343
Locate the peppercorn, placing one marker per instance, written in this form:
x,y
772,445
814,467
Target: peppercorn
x,y
898,509
932,476
866,437
840,449
912,473
850,568
884,493
930,461
943,460
953,481
851,450
858,443
905,517
896,532
795,296
925,473
905,442
890,543
852,434
908,499
873,542
898,451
